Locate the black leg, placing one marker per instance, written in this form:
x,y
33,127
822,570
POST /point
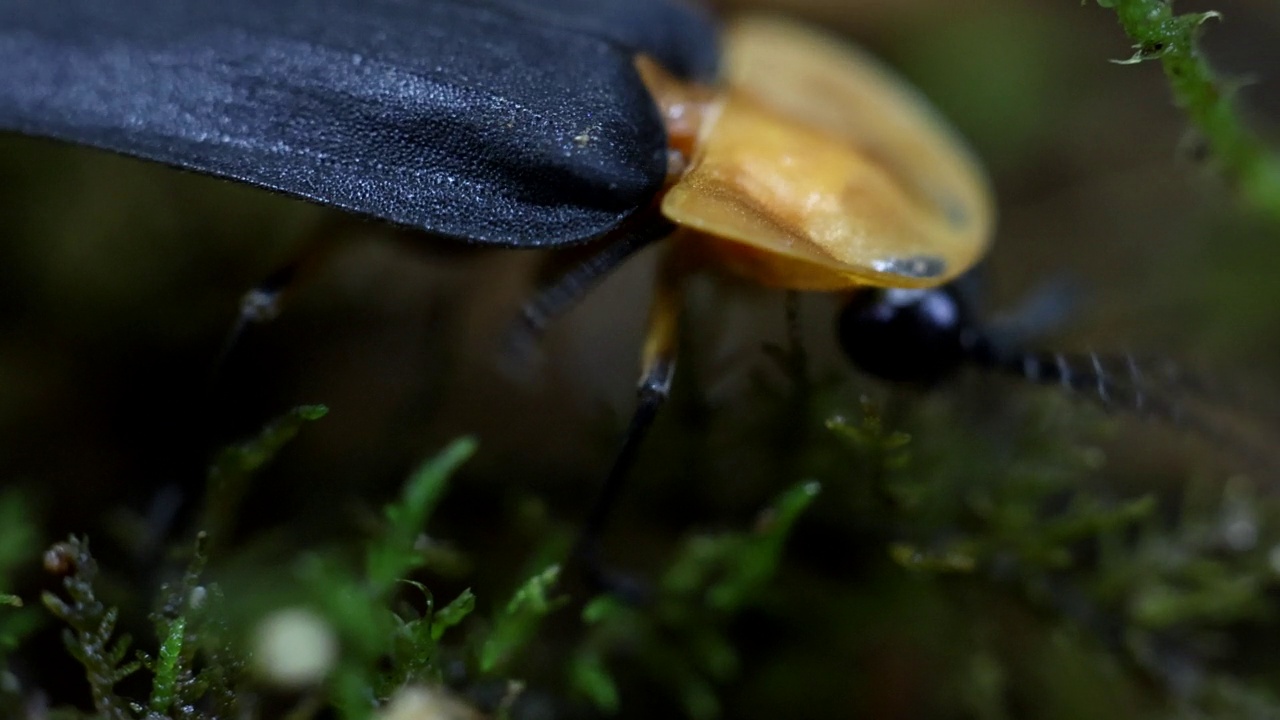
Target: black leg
x,y
657,370
262,303
561,295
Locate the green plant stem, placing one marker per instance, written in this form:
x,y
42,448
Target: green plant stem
x,y
1159,33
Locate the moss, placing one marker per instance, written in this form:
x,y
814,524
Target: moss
x,y
1162,35
379,643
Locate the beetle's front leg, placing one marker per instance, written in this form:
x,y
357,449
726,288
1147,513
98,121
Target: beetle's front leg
x,y
658,365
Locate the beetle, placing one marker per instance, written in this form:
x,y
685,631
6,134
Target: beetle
x,y
762,149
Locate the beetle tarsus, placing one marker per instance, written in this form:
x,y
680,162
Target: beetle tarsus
x,y
262,304
653,392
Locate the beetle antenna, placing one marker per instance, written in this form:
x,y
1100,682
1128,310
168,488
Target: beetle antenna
x,y
561,295
1151,388
1116,382
1147,387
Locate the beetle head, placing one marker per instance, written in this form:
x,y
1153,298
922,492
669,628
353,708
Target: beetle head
x,y
922,336
911,335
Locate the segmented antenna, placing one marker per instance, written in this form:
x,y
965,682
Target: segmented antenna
x,y
1147,387
1116,382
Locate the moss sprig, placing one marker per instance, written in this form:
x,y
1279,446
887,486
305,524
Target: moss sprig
x,y
194,674
1161,34
1171,597
681,637
233,468
90,636
386,645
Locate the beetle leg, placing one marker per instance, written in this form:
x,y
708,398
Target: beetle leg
x,y
658,365
562,294
262,303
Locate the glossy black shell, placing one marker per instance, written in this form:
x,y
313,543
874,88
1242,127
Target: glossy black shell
x,y
516,123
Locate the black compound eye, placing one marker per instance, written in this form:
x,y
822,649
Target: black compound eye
x,y
905,335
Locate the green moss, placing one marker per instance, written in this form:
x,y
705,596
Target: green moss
x,y
234,467
1161,34
517,623
385,643
17,620
195,672
681,637
17,542
90,636
1014,536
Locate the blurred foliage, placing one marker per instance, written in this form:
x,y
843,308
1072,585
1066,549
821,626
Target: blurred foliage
x,y
1145,594
1160,590
679,638
195,672
233,469
384,646
351,642
199,672
18,540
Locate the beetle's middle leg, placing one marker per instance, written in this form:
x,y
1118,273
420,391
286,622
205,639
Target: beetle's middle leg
x,y
658,365
562,294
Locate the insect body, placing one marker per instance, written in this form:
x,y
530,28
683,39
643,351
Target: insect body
x,y
767,151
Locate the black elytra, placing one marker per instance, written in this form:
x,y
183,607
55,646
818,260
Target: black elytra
x,y
515,123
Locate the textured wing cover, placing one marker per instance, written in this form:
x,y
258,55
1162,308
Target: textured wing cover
x,y
676,33
505,122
